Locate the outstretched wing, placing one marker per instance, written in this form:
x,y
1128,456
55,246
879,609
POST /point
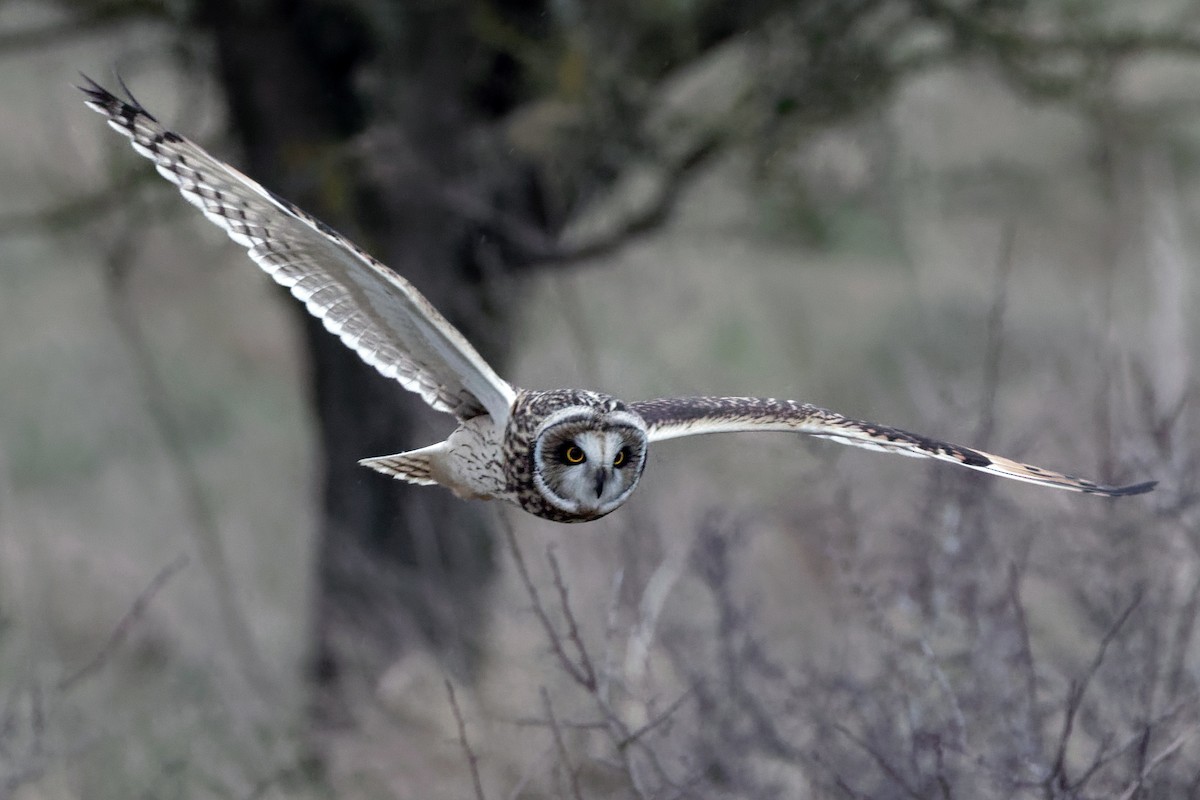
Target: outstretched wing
x,y
373,310
671,418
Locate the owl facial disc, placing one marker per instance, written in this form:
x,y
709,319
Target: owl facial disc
x,y
587,461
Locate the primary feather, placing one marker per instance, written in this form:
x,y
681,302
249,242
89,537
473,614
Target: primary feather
x,y
671,418
373,310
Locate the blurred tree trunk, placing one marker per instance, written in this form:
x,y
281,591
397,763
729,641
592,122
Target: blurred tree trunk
x,y
393,560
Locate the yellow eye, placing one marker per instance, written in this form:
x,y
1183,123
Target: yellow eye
x,y
574,455
620,459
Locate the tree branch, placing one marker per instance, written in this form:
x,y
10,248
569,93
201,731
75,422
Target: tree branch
x,y
1057,779
198,506
121,632
572,776
472,759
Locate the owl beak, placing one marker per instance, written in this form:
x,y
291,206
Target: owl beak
x,y
601,477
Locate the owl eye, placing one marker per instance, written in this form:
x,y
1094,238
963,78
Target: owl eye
x,y
622,456
573,455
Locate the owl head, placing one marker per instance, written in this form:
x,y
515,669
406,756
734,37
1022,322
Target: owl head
x,y
588,457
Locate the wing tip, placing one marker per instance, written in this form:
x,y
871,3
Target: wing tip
x,y
104,101
1124,491
96,93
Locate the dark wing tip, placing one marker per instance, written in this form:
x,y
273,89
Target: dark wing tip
x,y
1122,491
111,104
133,101
96,92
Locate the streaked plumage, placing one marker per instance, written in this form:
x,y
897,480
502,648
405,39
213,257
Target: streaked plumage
x,y
568,455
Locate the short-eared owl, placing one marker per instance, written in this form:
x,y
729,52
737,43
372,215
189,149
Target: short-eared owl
x,y
567,455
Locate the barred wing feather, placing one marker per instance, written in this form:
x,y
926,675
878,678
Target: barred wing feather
x,y
373,310
672,418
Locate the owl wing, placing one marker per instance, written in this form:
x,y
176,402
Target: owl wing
x,y
672,418
378,314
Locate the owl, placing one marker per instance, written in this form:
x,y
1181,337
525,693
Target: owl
x,y
568,455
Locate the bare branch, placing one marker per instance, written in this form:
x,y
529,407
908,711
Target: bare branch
x,y
838,780
205,528
585,661
943,682
541,722
993,351
603,689
1033,722
658,719
121,631
1184,631
78,209
888,768
1138,739
654,598
572,776
1057,777
577,673
1158,759
472,759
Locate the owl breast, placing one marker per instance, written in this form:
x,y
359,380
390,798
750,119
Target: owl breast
x,y
469,462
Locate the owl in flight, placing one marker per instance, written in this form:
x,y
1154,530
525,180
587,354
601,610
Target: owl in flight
x,y
568,455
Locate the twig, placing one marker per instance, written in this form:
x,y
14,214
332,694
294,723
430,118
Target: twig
x,y
943,682
120,632
8,719
1033,723
1110,754
838,780
539,722
576,672
205,527
572,777
658,719
879,759
472,759
78,209
585,661
1158,758
654,599
610,635
943,782
618,731
68,213
1075,697
527,775
1182,640
37,718
993,350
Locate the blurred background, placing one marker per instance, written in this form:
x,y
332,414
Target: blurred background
x,y
974,219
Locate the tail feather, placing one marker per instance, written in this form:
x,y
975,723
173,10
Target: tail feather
x,y
415,466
